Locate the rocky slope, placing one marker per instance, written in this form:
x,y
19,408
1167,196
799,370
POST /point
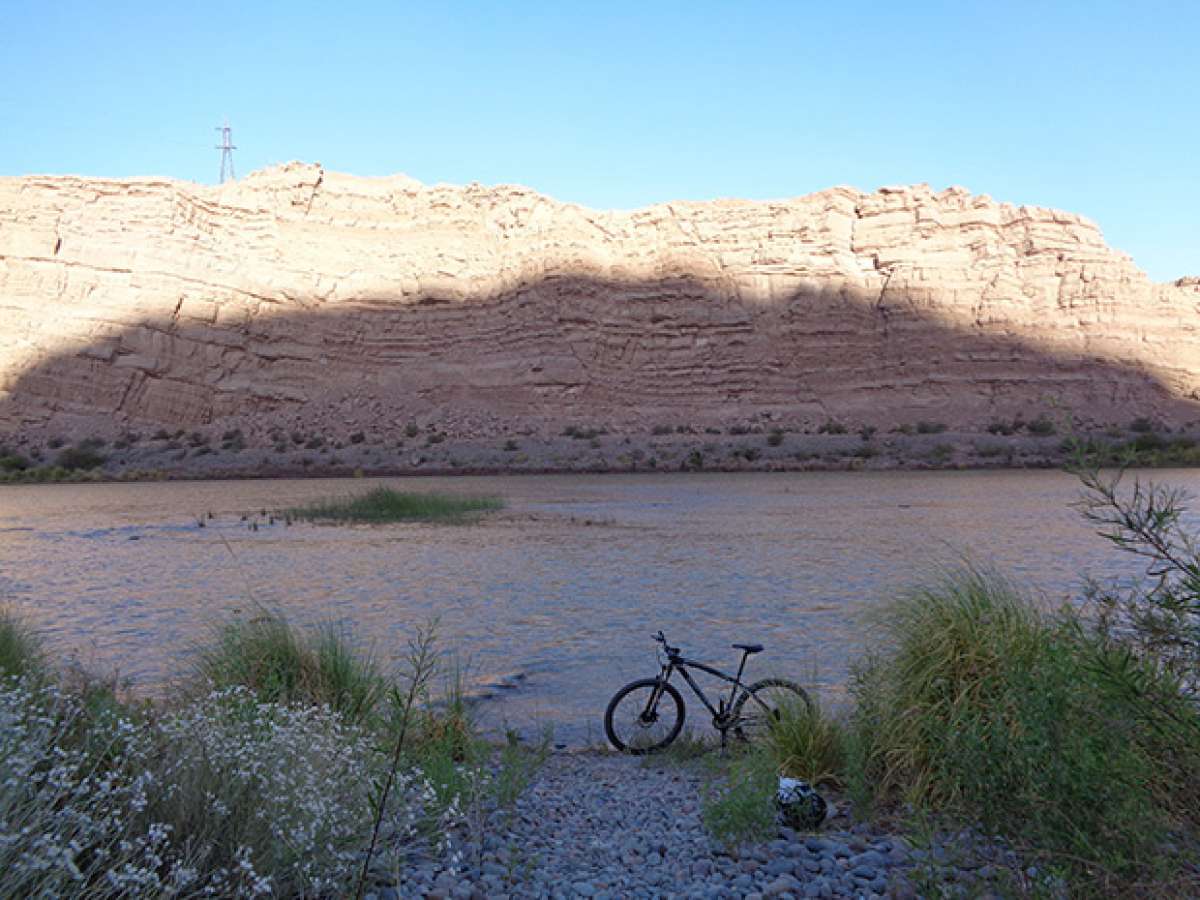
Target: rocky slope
x,y
304,298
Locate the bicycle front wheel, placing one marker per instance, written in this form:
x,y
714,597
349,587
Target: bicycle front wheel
x,y
644,716
764,703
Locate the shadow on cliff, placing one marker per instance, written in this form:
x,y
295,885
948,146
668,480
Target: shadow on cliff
x,y
575,348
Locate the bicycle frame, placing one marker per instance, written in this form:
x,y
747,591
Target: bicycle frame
x,y
682,664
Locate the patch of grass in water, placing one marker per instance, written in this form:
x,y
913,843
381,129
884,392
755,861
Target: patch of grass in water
x,y
386,505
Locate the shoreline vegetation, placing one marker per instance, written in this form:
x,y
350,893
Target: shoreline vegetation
x,y
433,450
1061,745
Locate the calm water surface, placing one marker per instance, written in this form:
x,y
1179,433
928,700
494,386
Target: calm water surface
x,y
554,600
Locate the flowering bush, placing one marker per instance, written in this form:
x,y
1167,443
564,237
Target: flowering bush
x,y
263,795
228,796
71,812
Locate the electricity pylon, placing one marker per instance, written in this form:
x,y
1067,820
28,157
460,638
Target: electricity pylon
x,y
226,147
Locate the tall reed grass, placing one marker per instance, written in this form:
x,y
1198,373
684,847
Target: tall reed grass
x,y
268,655
21,650
985,707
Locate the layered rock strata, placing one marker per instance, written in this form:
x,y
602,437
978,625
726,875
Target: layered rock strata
x,y
300,297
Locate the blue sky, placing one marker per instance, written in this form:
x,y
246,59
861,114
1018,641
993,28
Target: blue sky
x,y
1091,107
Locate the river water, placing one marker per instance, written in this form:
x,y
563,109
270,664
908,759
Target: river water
x,y
553,601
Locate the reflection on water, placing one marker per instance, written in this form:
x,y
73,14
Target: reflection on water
x,y
554,612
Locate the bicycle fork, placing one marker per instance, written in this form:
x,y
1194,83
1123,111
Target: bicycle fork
x,y
650,713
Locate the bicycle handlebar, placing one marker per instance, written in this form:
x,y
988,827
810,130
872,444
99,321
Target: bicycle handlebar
x,y
671,651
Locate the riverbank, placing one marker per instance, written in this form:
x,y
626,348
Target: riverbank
x,y
211,454
269,762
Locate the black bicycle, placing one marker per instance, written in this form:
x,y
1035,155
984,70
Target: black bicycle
x,y
648,714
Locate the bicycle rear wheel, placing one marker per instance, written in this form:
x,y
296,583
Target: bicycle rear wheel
x,y
765,703
644,716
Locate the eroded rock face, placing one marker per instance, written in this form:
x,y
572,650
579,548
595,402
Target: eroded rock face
x,y
299,296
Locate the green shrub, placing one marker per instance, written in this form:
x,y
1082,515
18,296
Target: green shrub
x,y
941,453
80,457
990,710
13,462
1041,427
1000,427
1149,441
832,427
741,807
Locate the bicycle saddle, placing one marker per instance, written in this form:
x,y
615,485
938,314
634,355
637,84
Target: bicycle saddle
x,y
749,648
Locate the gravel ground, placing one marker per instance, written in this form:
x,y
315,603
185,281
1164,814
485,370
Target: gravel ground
x,y
601,825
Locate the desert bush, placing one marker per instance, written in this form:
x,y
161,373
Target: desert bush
x,y
832,427
931,427
1143,425
1158,617
11,461
1041,427
83,456
941,453
775,438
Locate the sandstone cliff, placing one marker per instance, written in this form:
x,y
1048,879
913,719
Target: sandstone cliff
x,y
304,297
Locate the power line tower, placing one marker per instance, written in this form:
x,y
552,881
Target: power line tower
x,y
226,147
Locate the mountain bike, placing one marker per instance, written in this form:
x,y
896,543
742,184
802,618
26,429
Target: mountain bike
x,y
647,715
